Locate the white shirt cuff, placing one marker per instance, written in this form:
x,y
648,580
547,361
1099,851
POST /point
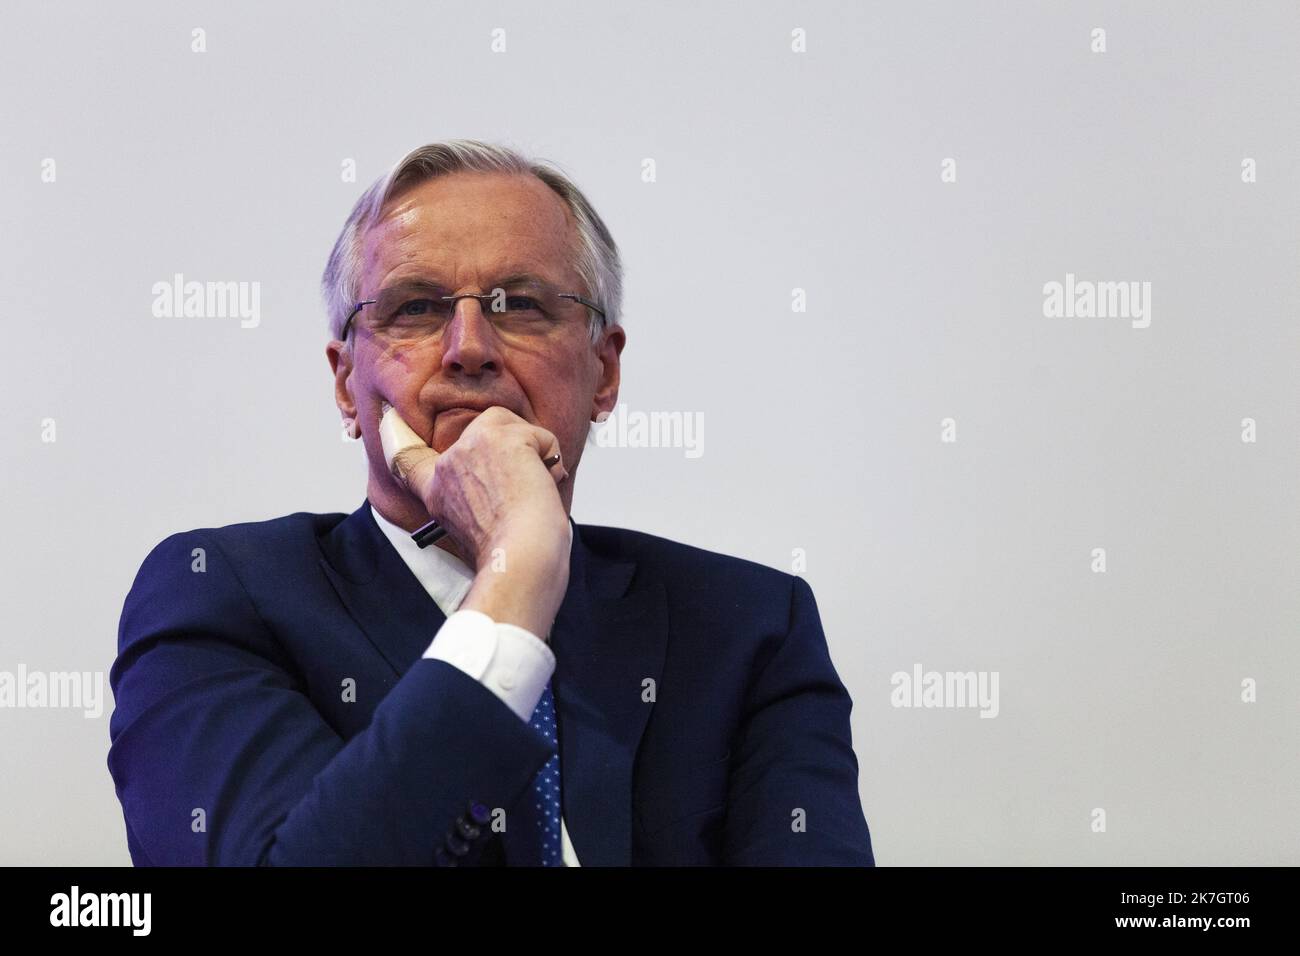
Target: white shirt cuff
x,y
511,661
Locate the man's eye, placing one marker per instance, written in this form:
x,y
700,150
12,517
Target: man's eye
x,y
417,307
522,303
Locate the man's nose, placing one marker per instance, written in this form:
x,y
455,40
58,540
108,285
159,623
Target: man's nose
x,y
470,343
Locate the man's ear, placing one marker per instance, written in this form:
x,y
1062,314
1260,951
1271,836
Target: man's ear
x,y
340,359
608,352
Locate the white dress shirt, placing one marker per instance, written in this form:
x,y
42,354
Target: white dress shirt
x,y
508,660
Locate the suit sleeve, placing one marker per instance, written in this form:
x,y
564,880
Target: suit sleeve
x,y
793,789
220,758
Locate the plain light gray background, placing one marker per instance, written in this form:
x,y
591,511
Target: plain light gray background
x,y
776,170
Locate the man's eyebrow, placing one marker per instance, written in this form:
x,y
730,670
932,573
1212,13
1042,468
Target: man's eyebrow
x,y
408,286
520,278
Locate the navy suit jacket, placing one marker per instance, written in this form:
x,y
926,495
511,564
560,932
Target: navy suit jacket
x,y
272,707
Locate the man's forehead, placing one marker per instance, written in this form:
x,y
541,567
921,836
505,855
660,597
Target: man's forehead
x,y
462,228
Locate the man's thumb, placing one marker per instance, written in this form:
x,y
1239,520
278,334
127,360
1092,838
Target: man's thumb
x,y
407,456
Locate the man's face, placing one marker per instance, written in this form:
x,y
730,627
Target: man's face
x,y
467,231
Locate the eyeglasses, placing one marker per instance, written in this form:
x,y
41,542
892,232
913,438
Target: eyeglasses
x,y
416,309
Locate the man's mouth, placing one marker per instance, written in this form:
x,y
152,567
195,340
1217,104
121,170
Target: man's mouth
x,y
470,409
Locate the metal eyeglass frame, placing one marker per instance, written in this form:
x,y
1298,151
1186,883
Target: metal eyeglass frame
x,y
471,295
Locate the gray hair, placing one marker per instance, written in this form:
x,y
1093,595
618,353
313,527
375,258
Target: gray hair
x,y
597,261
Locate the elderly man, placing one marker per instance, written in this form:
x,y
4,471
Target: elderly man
x,y
456,673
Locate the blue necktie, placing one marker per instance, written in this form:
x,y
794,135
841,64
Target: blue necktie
x,y
545,796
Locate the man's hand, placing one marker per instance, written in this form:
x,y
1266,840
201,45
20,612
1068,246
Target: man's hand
x,y
499,502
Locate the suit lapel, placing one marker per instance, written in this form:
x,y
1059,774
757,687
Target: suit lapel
x,y
610,635
380,592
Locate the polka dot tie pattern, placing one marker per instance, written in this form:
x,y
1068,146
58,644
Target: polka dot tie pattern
x,y
546,785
